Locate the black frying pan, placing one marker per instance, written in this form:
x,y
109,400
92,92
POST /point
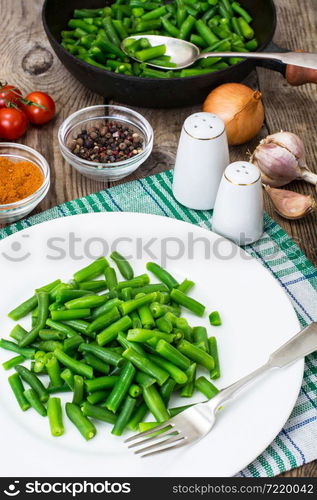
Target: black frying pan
x,y
172,92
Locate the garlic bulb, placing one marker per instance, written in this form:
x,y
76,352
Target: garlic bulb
x,y
289,204
281,159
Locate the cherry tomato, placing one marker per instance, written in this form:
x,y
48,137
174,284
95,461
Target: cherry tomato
x,y
13,123
9,95
42,113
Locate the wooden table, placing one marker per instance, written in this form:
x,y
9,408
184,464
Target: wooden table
x,y
28,61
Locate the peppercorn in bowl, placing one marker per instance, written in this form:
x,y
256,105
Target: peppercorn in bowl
x,y
105,142
24,181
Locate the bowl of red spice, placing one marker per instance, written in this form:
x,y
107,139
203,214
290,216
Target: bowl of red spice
x,y
105,142
24,181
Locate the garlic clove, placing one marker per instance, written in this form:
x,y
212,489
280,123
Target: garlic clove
x,y
278,166
289,141
289,204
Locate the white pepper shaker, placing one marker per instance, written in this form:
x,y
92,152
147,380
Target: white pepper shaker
x,y
238,212
202,157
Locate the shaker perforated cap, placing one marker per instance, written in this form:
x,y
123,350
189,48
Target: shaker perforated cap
x,y
242,173
204,126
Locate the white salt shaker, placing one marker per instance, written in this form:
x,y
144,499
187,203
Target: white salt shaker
x,y
202,157
238,211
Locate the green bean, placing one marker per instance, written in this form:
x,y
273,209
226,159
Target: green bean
x,y
209,62
91,286
161,274
109,47
43,303
87,302
182,324
178,409
164,324
11,363
205,32
55,416
186,27
98,413
167,389
70,314
72,343
251,44
18,390
91,271
60,327
122,339
137,12
83,424
137,282
54,372
150,53
146,365
18,332
106,355
143,335
154,73
155,403
97,397
101,383
243,13
245,28
121,387
137,417
173,355
68,377
159,310
144,379
213,351
215,319
105,307
96,363
135,390
124,416
111,332
236,27
33,382
51,335
205,387
111,278
110,31
80,325
33,399
30,304
79,23
163,297
132,305
180,16
120,28
170,28
104,320
74,365
50,345
188,389
26,352
155,13
78,394
185,286
185,301
59,388
123,265
144,26
176,373
200,336
195,354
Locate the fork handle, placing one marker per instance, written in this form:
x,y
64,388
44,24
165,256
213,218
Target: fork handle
x,y
302,344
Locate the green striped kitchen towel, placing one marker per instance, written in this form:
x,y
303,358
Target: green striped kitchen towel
x,y
297,442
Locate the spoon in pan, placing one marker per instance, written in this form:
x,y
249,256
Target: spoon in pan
x,y
184,54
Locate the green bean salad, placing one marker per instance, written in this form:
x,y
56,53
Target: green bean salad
x,y
95,35
121,354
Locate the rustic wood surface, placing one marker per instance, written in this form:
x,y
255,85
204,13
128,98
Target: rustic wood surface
x,y
28,61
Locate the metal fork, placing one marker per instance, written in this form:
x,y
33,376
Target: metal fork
x,y
198,420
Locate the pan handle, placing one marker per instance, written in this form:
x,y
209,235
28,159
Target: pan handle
x,y
295,75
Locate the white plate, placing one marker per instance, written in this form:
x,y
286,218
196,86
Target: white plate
x,y
257,318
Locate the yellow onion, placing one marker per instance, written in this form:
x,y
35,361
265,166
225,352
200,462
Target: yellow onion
x,y
241,109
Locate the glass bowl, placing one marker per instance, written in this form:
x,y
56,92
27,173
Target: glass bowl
x,y
12,212
94,116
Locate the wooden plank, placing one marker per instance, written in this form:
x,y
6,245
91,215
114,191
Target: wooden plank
x,y
294,109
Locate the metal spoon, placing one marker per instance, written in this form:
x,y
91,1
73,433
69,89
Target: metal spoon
x,y
184,53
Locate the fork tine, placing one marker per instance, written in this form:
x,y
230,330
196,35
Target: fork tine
x,y
159,427
172,442
154,438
